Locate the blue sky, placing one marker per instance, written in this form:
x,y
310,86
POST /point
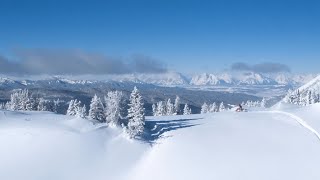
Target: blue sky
x,y
189,36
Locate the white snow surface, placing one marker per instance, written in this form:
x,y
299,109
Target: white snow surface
x,y
279,143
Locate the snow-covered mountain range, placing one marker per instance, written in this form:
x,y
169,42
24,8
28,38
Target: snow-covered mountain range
x,y
172,79
249,78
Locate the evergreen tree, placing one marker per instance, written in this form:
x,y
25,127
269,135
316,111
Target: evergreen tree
x,y
154,110
136,119
213,107
263,103
222,107
31,104
170,110
14,102
71,111
82,112
309,97
96,110
204,108
177,105
186,110
112,109
161,110
2,106
314,98
45,105
56,105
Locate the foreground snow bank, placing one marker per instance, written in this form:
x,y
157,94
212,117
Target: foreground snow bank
x,y
264,145
228,146
40,145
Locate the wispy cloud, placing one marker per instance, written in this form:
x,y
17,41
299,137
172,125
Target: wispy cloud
x,y
48,61
267,67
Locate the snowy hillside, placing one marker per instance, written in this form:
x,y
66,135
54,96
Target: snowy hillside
x,y
306,94
314,84
279,144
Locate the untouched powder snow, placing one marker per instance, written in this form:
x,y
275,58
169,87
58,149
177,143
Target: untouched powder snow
x,y
45,146
280,143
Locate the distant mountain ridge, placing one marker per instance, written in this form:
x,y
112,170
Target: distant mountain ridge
x,y
170,79
249,78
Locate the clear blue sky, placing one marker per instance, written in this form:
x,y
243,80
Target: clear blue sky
x,y
190,36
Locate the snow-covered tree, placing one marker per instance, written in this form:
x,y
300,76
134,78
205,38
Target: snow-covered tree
x,y
161,110
82,112
177,105
263,103
170,110
204,108
31,104
222,107
2,106
44,105
7,106
71,111
113,107
186,110
15,101
136,119
56,105
96,110
314,97
213,107
154,110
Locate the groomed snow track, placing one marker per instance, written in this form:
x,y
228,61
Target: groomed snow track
x,y
300,121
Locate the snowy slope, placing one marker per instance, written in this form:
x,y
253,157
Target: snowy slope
x,y
281,143
40,145
306,94
314,84
227,146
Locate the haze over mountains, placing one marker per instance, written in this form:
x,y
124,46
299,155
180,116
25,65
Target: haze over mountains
x,y
173,79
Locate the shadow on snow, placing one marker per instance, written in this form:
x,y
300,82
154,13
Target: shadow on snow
x,y
156,129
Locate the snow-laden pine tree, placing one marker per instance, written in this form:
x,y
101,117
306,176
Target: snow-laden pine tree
x,y
2,106
222,107
136,119
96,110
71,111
41,105
309,97
263,103
56,105
177,105
14,102
186,110
7,106
31,104
161,109
44,105
170,110
213,107
113,107
314,97
204,108
154,110
82,111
